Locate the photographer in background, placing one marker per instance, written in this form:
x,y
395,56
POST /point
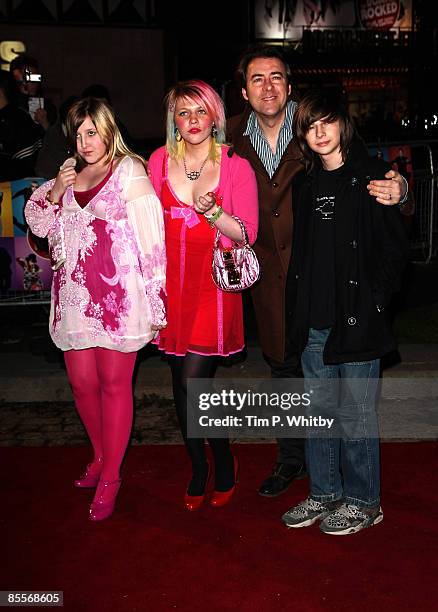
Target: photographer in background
x,y
28,78
20,137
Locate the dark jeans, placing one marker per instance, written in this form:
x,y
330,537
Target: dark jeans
x,y
290,450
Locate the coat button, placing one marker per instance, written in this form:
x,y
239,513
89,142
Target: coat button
x,y
276,213
282,247
296,277
351,320
353,244
275,185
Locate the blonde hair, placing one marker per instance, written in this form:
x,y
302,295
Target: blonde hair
x,y
203,94
102,115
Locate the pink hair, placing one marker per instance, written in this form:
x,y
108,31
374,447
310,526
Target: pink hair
x,y
200,93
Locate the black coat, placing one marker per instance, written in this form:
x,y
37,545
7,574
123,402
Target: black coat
x,y
371,249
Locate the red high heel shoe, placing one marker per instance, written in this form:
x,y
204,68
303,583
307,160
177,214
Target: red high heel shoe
x,y
91,476
194,502
220,498
103,504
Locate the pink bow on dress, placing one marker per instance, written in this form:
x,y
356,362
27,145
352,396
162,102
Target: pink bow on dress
x,y
188,214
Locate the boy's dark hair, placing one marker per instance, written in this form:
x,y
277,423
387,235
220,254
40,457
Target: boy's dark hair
x,y
314,106
260,51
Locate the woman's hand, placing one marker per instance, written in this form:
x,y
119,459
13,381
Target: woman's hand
x,y
66,177
206,203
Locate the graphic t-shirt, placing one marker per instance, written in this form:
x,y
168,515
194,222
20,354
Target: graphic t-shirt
x,y
322,302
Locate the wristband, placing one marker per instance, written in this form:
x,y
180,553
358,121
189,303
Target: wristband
x,y
211,219
405,197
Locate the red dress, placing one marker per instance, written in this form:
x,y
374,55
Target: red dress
x,y
84,197
200,317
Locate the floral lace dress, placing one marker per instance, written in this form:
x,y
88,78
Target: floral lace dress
x,y
109,292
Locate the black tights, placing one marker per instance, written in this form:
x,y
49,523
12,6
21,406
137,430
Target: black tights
x,y
193,365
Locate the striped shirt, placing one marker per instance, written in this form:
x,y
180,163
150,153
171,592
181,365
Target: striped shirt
x,y
261,146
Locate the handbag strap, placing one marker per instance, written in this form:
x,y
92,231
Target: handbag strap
x,y
244,234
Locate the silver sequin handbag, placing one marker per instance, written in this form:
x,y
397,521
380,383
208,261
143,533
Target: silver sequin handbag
x,y
234,268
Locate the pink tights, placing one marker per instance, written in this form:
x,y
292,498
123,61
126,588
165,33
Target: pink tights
x,y
101,381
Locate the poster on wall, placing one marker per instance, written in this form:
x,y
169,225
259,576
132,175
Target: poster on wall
x,y
385,14
399,157
286,19
24,257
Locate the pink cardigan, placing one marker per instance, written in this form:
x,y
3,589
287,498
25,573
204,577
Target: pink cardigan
x,y
237,186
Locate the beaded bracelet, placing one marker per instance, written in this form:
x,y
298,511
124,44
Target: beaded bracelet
x,y
211,219
47,197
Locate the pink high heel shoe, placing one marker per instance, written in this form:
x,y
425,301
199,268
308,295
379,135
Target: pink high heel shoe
x,y
103,504
91,476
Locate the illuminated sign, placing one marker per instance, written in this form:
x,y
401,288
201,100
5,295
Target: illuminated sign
x,y
286,20
9,49
377,14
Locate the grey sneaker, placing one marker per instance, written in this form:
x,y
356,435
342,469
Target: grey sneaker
x,y
308,512
351,519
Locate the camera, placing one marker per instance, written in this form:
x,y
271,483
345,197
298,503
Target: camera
x,y
29,77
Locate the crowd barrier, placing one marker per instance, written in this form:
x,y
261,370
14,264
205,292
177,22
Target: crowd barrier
x,y
416,162
424,237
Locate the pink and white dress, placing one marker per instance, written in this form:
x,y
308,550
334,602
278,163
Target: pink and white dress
x,y
110,290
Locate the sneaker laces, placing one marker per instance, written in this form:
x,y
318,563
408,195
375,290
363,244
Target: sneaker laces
x,y
350,511
309,504
313,504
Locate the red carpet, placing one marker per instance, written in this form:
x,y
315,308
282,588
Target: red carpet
x,y
153,555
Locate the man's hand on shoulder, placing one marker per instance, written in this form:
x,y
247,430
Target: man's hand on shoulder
x,y
390,190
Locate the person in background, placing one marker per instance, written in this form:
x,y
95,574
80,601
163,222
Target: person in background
x,y
20,138
347,261
106,233
22,68
263,135
55,147
100,91
202,184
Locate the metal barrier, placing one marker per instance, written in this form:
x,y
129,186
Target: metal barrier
x,y
25,298
424,231
424,236
423,222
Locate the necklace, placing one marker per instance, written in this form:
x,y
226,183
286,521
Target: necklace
x,y
194,174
